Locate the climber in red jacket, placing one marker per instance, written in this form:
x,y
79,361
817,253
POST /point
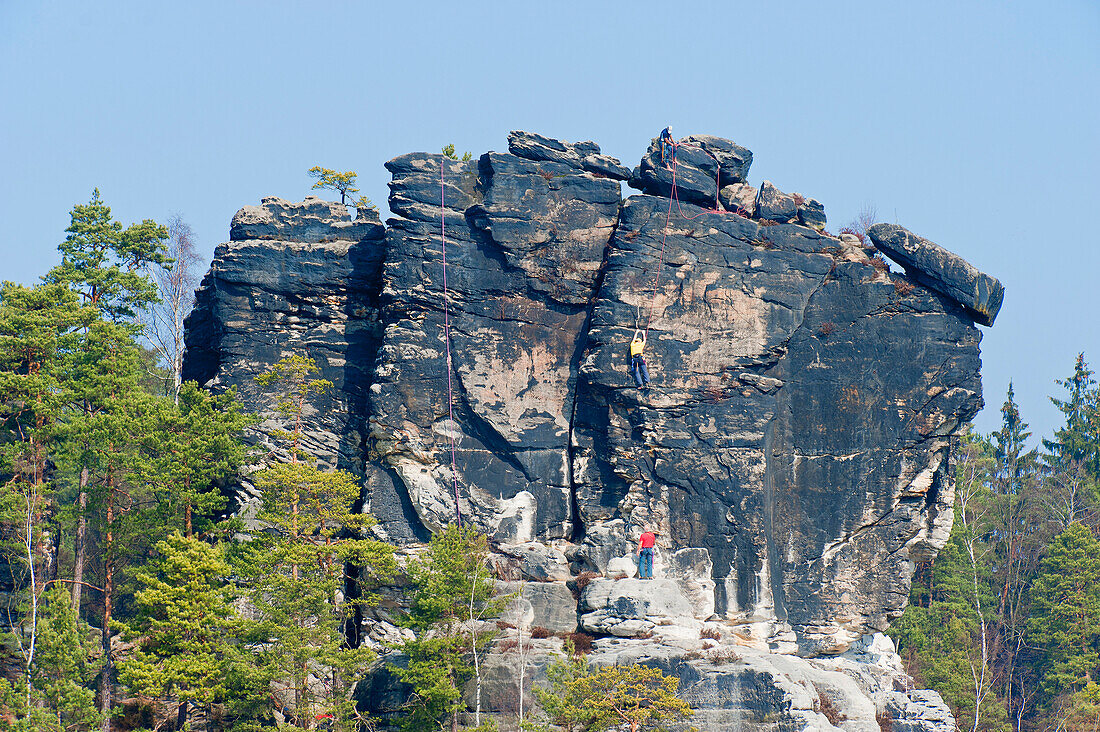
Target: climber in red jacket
x,y
647,543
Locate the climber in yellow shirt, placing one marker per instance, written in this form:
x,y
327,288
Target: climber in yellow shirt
x,y
637,361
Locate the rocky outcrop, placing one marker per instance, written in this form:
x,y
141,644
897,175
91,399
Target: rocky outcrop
x,y
294,278
793,450
698,166
941,270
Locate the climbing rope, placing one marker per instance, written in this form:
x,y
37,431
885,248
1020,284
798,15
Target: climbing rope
x,y
674,196
447,334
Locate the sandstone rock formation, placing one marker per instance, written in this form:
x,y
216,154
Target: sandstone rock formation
x,y
793,451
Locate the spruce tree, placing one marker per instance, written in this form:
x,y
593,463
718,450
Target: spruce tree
x,y
1065,622
1078,440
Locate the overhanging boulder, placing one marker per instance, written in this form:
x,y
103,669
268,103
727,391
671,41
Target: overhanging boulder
x,y
941,270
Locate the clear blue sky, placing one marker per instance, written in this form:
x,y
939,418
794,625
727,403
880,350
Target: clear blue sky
x,y
975,124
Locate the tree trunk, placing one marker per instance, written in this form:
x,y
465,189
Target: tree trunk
x,y
81,540
108,590
181,716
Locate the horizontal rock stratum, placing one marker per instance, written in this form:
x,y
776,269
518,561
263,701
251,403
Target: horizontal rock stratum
x,y
793,451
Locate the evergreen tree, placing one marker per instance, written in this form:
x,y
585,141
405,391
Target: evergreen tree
x,y
945,634
342,183
1065,623
454,594
1017,536
107,264
66,665
188,449
562,703
1079,439
38,326
631,697
297,570
182,627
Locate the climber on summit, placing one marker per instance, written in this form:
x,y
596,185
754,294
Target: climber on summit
x,y
666,140
637,361
646,546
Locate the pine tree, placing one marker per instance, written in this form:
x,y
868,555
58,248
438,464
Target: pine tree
x,y
297,569
188,449
106,264
631,697
66,665
454,595
38,326
182,628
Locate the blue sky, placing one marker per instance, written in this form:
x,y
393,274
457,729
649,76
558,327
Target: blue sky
x,y
974,124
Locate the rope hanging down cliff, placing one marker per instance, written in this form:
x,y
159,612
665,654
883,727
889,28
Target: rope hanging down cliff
x,y
447,334
673,195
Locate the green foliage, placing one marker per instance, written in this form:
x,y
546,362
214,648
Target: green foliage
x,y
953,601
291,384
182,627
452,578
562,703
66,663
1078,441
453,594
583,699
40,335
1066,618
342,183
186,451
106,264
296,571
449,152
363,204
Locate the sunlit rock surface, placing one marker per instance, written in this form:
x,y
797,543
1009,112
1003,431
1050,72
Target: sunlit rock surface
x,y
793,451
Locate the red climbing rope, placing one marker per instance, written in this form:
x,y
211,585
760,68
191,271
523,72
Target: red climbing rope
x,y
447,334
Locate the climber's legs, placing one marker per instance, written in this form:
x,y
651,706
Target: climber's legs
x,y
645,564
639,371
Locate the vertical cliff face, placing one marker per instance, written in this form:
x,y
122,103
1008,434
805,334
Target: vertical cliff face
x,y
801,426
294,278
793,450
525,239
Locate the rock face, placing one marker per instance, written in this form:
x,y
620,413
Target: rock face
x,y
699,166
294,278
793,450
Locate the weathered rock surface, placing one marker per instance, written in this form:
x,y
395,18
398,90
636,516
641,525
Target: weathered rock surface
x,y
730,686
294,278
703,164
312,221
941,270
793,451
525,242
585,155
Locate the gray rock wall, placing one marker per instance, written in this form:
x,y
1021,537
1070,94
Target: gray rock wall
x,y
793,451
